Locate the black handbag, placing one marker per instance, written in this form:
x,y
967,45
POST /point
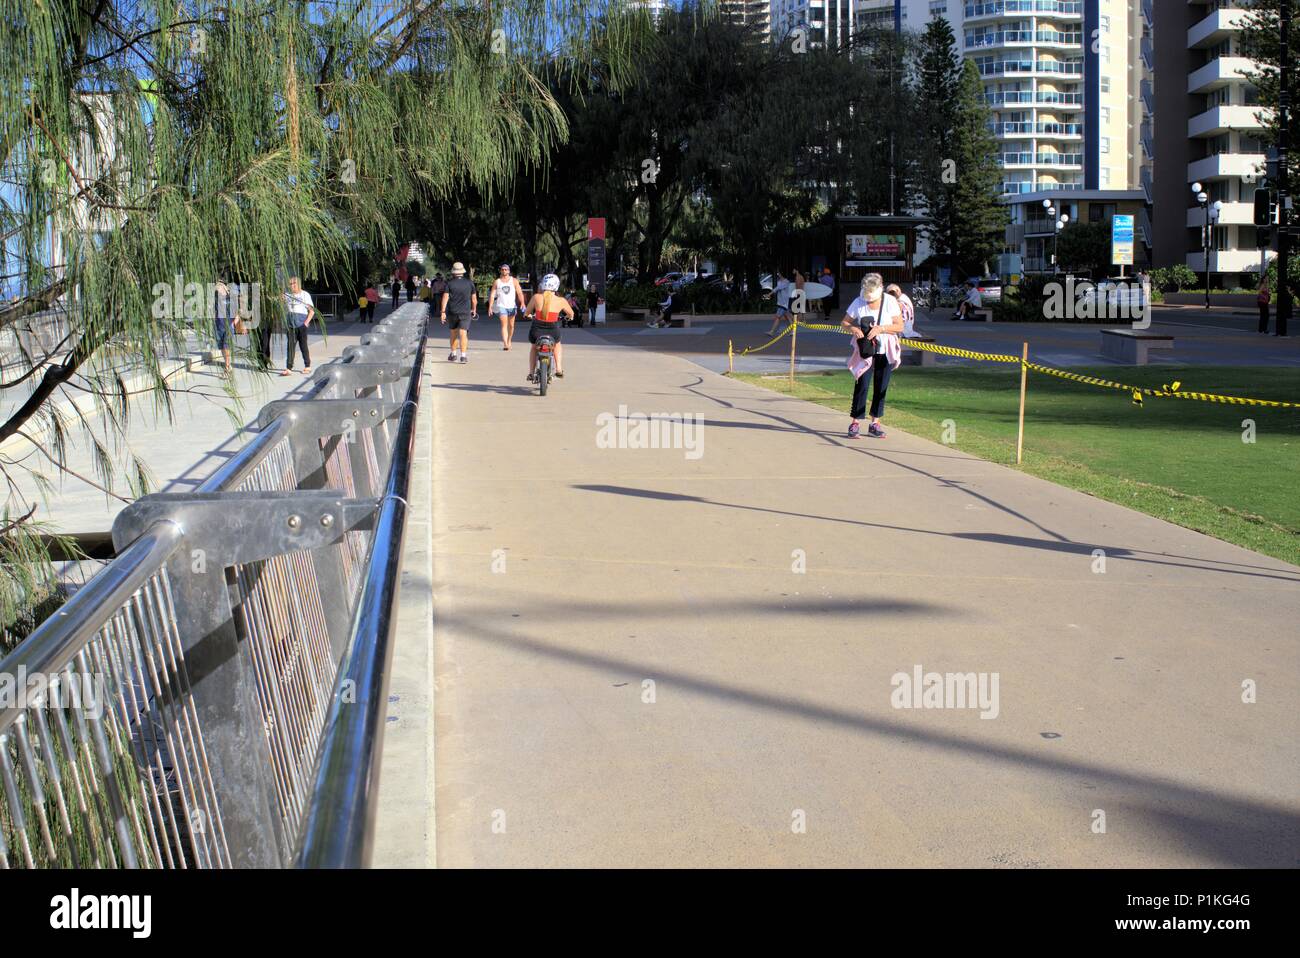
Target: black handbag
x,y
867,347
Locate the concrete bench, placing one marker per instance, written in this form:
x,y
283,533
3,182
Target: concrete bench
x,y
919,357
983,314
1131,346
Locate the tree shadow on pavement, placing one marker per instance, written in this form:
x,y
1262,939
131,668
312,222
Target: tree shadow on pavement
x,y
1058,544
1231,830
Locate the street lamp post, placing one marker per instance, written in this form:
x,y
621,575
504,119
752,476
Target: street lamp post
x,y
1057,225
1203,198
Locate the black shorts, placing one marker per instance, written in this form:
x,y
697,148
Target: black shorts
x,y
455,321
552,328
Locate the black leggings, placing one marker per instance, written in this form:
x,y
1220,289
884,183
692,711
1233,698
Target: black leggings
x,y
878,375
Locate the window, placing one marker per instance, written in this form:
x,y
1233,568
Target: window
x,y
1105,84
1105,176
1105,24
1105,144
1105,114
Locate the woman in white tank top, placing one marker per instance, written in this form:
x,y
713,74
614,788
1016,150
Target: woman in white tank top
x,y
506,299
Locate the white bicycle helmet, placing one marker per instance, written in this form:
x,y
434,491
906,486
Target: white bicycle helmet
x,y
550,283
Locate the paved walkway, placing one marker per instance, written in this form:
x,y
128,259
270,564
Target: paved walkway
x,y
648,659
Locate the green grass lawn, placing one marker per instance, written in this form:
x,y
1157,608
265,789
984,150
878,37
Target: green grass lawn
x,y
1180,460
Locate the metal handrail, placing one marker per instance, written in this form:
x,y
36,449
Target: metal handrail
x,y
339,825
207,695
53,646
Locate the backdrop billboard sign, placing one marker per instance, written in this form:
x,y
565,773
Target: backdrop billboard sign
x,y
1121,239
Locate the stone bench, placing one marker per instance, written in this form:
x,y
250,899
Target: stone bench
x,y
983,314
918,357
1131,346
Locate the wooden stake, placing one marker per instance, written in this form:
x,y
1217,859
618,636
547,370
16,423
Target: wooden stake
x,y
1020,433
794,334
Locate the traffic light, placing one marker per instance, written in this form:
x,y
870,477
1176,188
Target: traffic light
x,y
1263,238
1264,207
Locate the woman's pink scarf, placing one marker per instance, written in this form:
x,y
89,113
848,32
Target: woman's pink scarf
x,y
893,352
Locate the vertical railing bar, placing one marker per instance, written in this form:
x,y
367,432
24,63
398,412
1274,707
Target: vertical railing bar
x,y
15,806
192,718
127,668
180,750
166,722
160,750
112,790
28,762
56,781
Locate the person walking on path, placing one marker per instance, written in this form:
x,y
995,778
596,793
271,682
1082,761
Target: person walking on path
x,y
593,300
506,299
875,320
1264,297
410,289
299,310
458,306
397,291
372,300
781,290
223,319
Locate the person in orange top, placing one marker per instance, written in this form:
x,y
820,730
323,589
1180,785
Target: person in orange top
x,y
548,308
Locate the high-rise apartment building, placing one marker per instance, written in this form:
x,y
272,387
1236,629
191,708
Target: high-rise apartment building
x,y
1208,133
1063,79
756,14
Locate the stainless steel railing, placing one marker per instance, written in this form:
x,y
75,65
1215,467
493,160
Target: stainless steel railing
x,y
182,708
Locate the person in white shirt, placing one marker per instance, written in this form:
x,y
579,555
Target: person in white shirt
x,y
299,310
504,302
972,302
875,320
909,311
781,290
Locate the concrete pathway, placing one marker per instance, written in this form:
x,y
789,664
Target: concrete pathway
x,y
647,658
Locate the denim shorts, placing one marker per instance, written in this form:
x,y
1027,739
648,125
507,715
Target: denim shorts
x,y
221,326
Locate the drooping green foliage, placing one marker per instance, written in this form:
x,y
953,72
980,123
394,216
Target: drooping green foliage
x,y
149,145
1261,41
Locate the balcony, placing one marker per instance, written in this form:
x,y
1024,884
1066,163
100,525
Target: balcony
x,y
1026,67
1022,129
1148,182
1214,29
1218,72
1230,214
1226,261
1041,159
1148,53
1221,119
1063,101
1148,96
999,38
1144,226
1224,165
1148,11
1040,226
1065,131
1017,8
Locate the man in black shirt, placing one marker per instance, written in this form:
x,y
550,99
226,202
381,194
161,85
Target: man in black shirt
x,y
458,306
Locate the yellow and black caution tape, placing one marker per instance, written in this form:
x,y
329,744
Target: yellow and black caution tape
x,y
1168,391
759,349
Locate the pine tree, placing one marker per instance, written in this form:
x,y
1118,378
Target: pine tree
x,y
980,219
1261,41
